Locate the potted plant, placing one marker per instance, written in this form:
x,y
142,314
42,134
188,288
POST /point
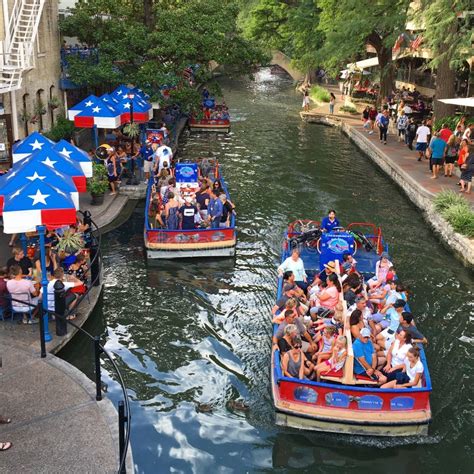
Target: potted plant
x,y
69,243
132,129
39,108
25,116
98,184
54,103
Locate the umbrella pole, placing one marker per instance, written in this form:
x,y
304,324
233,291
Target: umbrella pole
x,y
44,281
96,136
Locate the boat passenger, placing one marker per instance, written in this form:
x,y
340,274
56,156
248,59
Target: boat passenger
x,y
396,355
290,304
187,214
365,358
337,359
217,187
329,297
288,291
214,209
356,322
412,371
382,267
202,199
407,324
329,268
171,212
286,342
295,264
361,305
326,340
393,313
289,277
330,221
228,209
294,362
291,318
352,286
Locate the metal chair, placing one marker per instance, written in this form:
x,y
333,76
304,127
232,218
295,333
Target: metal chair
x,y
19,308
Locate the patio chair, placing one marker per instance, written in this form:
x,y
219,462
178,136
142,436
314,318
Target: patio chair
x,y
23,309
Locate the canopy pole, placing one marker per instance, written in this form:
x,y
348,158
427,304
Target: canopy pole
x,y
96,136
44,281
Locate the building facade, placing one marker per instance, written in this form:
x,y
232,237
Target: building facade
x,y
30,98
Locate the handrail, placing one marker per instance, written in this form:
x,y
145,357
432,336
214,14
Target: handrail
x,y
99,350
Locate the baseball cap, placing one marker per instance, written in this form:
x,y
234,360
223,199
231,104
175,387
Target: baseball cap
x,y
364,332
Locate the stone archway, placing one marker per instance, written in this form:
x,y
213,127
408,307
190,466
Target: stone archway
x,y
282,60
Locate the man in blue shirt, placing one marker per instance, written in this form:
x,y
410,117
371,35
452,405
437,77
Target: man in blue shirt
x,y
146,153
438,150
383,122
330,221
393,313
365,357
215,209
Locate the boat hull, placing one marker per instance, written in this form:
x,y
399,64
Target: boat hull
x,y
222,126
169,252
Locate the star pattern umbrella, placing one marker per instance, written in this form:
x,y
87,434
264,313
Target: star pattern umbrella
x,y
32,143
99,114
75,154
81,106
142,110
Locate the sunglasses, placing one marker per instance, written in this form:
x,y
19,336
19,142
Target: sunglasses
x,y
297,347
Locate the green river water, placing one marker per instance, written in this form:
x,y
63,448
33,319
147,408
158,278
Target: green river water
x,y
197,332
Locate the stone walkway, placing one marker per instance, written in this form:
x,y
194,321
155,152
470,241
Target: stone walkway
x,y
398,152
57,425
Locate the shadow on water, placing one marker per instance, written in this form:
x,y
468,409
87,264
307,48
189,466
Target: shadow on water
x,y
190,336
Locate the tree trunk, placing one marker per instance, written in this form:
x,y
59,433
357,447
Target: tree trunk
x,y
387,72
148,17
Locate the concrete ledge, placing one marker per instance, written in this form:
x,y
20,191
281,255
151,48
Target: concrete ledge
x,y
421,197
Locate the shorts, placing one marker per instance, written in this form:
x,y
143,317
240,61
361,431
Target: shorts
x,y
305,346
449,160
402,378
436,161
376,318
392,375
421,146
112,179
148,166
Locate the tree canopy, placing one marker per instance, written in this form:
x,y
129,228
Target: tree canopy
x,y
150,43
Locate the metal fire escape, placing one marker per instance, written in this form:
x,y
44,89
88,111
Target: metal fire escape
x,y
17,49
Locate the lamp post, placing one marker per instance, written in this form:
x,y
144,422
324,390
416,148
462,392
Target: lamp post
x,y
44,281
131,96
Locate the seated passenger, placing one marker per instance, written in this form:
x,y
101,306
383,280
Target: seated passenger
x,y
381,269
329,297
356,322
286,342
187,214
352,286
290,304
295,264
289,278
217,187
407,325
337,359
365,358
349,264
392,322
329,268
412,371
330,221
289,290
396,355
22,291
290,318
326,340
294,362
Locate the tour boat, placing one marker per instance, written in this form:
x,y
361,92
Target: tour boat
x,y
210,124
199,242
341,402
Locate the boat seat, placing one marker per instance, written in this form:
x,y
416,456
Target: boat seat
x,y
333,375
364,380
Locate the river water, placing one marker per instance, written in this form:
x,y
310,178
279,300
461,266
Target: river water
x,y
189,336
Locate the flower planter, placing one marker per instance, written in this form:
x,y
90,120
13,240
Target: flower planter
x,y
97,199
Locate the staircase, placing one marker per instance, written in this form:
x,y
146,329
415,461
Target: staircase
x,y
17,50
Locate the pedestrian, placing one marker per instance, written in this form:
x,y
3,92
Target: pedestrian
x,y
306,100
332,103
437,151
445,132
422,134
467,170
402,124
365,117
383,122
450,158
372,117
146,153
410,133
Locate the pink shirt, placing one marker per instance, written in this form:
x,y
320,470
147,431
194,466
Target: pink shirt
x,y
332,301
19,290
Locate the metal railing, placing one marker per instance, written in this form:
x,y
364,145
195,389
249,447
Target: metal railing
x,y
124,416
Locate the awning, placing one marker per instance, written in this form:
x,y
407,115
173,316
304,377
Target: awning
x,y
365,63
462,101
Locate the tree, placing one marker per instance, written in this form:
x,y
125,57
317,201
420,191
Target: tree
x,y
349,27
155,52
448,33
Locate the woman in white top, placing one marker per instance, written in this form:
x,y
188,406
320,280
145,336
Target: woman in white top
x,y
295,264
412,371
397,355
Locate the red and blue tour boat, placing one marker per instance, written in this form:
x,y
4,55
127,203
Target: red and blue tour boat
x,y
161,243
215,118
343,402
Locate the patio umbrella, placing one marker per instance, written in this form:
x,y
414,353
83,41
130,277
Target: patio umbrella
x,y
100,114
123,91
33,142
60,163
75,154
142,110
30,171
461,101
80,107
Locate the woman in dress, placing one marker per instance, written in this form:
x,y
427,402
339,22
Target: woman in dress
x,y
306,100
381,269
337,359
171,212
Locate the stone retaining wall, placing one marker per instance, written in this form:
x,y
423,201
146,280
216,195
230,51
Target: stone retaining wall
x,y
422,198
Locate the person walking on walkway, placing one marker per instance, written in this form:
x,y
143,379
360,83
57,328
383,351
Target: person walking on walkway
x,y
422,134
437,150
306,100
383,122
467,171
402,124
332,103
410,133
451,155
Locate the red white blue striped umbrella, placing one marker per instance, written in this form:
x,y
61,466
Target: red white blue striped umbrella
x,y
99,114
31,170
32,143
37,203
75,154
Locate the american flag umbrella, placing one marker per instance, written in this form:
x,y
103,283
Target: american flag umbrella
x,y
142,110
123,91
80,107
32,143
75,154
109,99
100,115
60,163
37,203
30,171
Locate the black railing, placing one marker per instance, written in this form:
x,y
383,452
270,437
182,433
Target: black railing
x,y
124,417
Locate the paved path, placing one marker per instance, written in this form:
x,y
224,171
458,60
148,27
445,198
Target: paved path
x,y
57,425
397,152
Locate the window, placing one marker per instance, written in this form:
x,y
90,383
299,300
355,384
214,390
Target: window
x,y
25,115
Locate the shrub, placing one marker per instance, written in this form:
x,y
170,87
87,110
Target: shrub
x,y
98,184
451,121
62,129
457,211
319,94
348,109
